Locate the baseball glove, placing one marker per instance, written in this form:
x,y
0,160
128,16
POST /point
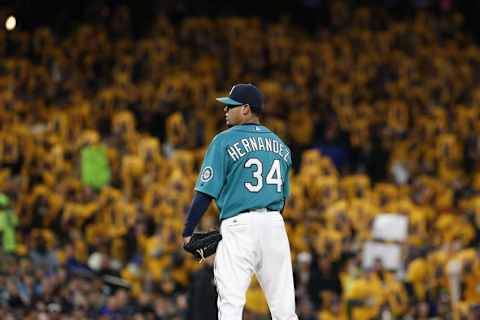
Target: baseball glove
x,y
203,244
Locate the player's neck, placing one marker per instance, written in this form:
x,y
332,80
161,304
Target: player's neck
x,y
251,120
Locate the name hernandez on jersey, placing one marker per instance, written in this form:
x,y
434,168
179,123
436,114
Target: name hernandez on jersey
x,y
242,147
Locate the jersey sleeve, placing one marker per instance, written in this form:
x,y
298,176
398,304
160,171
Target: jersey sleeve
x,y
212,174
286,184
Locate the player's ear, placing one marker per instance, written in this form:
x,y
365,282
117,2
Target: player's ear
x,y
246,109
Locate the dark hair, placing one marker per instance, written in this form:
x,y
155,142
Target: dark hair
x,y
256,110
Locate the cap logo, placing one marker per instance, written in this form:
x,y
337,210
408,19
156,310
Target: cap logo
x,y
231,90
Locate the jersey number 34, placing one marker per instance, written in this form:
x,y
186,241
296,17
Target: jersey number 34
x,y
274,176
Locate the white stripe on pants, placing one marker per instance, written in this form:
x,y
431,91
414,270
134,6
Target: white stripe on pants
x,y
254,242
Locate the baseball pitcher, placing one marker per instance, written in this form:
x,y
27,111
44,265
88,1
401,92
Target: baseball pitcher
x,y
245,170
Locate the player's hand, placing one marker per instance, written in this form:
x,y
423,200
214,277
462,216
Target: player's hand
x,y
186,240
202,244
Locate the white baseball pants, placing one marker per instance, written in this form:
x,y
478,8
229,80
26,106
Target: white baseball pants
x,y
254,242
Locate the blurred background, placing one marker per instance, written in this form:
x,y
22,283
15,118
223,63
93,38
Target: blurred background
x,y
106,108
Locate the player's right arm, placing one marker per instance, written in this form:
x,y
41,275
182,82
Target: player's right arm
x,y
286,180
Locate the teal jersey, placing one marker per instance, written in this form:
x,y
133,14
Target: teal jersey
x,y
246,167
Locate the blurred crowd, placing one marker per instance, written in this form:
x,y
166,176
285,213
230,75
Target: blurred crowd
x,y
101,137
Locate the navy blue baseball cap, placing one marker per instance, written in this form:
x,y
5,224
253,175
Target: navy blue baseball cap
x,y
241,94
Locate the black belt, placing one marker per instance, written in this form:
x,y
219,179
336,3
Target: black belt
x,y
248,210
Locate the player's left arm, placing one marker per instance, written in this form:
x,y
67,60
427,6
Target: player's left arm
x,y
208,186
199,206
213,172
